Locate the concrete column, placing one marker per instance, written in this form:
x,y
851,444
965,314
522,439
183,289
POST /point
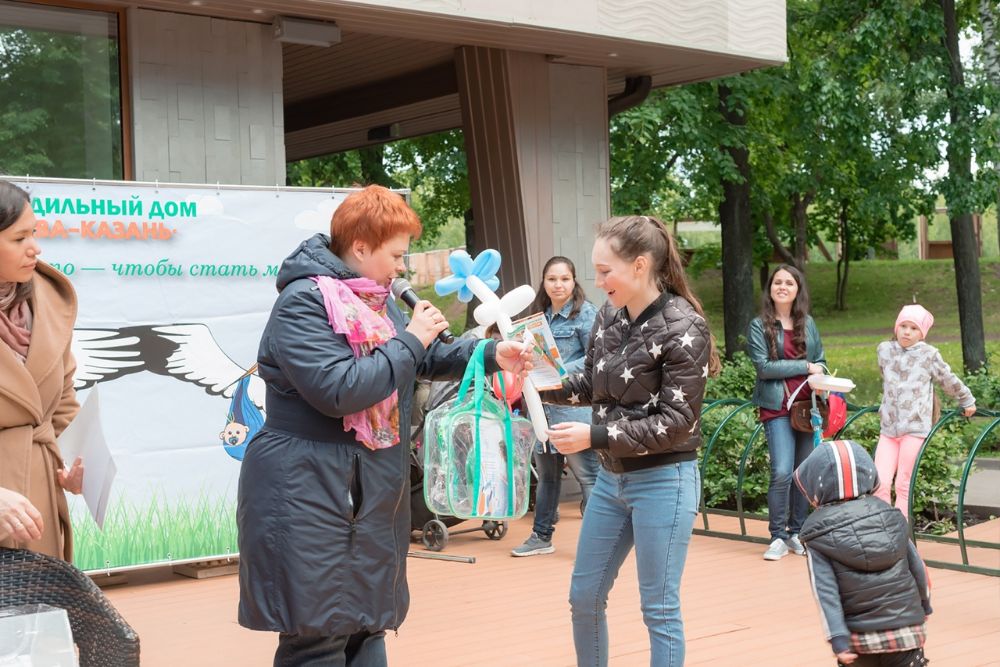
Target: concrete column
x,y
536,134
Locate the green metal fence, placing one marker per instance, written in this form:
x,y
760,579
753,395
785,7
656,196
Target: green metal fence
x,y
740,406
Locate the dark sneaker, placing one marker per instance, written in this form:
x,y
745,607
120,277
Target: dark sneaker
x,y
533,546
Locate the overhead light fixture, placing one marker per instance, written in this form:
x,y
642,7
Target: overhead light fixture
x,y
384,132
302,31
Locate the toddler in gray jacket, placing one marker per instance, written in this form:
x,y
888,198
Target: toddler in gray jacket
x,y
871,586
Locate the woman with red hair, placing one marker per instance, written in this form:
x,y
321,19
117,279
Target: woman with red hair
x,y
323,509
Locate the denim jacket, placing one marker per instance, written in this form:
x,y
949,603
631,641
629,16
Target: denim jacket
x,y
769,390
572,338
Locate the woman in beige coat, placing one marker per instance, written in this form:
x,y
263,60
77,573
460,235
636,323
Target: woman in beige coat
x,y
37,401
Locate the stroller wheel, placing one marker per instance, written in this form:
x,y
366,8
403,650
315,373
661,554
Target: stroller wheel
x,y
435,535
495,530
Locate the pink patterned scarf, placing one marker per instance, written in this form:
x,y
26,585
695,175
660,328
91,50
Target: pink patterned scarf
x,y
15,321
356,308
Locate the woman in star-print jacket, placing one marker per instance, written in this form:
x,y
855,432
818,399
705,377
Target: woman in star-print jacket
x,y
649,357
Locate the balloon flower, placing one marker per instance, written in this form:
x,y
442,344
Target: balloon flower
x,y
478,278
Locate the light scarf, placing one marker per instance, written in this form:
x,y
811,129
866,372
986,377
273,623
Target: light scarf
x,y
15,321
357,308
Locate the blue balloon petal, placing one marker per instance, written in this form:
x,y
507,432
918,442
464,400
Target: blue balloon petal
x,y
465,295
449,284
460,263
493,283
487,264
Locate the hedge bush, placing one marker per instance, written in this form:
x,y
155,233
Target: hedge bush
x,y
936,489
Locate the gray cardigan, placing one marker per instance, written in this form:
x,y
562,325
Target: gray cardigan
x,y
907,389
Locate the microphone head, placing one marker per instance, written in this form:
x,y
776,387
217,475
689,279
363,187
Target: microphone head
x,y
398,286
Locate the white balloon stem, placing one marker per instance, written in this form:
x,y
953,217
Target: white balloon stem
x,y
480,289
533,402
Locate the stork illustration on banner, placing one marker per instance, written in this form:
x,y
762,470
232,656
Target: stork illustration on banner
x,y
188,352
478,278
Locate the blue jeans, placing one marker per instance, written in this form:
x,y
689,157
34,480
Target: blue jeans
x,y
786,506
652,510
549,469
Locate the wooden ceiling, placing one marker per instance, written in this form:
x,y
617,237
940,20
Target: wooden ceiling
x,y
380,45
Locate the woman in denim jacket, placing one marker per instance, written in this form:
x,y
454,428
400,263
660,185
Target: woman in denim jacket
x,y
785,348
570,317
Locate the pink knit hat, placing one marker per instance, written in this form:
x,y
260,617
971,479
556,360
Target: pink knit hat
x,y
917,314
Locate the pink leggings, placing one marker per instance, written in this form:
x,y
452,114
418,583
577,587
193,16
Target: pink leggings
x,y
894,457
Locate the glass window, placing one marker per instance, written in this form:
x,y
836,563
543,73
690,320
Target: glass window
x,y
60,92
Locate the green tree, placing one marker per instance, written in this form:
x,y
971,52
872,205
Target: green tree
x,y
432,167
58,116
964,192
989,24
682,155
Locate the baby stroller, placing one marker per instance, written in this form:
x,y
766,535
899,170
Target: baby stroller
x,y
434,528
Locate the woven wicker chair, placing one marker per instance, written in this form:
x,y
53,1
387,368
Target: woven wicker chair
x,y
101,634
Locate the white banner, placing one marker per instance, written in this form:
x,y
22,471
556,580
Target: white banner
x,y
175,285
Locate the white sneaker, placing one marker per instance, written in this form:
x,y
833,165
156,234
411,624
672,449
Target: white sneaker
x,y
795,545
777,550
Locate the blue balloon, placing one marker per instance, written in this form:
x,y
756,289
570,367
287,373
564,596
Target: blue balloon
x,y
486,265
460,263
449,284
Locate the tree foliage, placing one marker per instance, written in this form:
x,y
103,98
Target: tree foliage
x,y
432,167
849,141
59,116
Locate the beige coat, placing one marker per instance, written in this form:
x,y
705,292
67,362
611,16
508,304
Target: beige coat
x,y
37,402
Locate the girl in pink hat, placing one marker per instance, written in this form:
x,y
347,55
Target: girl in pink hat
x,y
909,366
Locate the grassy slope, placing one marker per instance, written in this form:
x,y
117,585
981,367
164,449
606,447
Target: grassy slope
x,y
876,292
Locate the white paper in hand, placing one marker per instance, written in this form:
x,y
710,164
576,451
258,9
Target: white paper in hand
x,y
84,438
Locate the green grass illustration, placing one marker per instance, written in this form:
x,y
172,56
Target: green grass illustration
x,y
159,530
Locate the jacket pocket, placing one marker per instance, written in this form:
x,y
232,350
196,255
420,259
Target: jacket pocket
x,y
355,493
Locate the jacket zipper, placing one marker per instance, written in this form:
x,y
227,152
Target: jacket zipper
x,y
395,543
355,502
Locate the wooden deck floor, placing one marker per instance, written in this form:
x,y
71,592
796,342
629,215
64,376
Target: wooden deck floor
x,y
503,611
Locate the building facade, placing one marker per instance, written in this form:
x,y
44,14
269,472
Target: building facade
x,y
204,91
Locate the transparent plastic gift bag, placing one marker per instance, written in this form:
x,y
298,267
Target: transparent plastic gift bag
x,y
476,454
36,635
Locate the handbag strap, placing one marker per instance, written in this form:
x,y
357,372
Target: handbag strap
x,y
791,398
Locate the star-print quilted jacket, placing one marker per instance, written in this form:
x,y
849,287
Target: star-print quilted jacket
x,y
645,381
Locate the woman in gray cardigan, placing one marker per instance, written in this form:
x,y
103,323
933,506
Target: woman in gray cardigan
x,y
785,348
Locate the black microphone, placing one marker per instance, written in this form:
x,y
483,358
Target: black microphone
x,y
402,290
